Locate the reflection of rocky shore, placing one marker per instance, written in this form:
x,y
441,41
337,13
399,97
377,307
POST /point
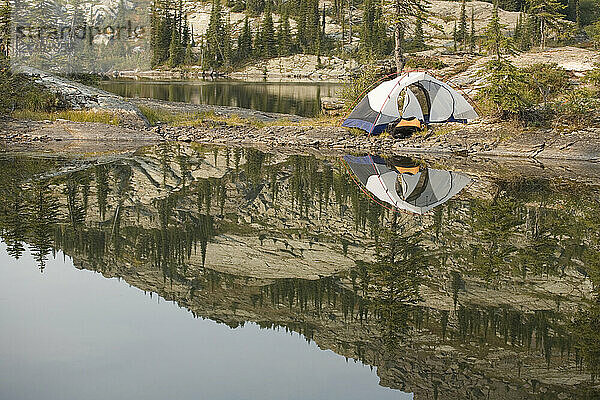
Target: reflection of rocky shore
x,y
474,299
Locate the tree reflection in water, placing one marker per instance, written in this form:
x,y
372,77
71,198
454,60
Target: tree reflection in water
x,y
412,282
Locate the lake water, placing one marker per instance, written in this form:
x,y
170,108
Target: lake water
x,y
289,98
187,271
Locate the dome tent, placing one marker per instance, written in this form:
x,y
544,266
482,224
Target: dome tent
x,y
426,99
417,192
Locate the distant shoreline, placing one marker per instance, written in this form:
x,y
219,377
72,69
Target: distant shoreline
x,y
183,75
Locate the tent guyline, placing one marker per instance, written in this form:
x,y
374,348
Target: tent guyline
x,y
425,100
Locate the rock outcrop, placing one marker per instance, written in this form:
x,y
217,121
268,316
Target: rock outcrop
x,y
82,97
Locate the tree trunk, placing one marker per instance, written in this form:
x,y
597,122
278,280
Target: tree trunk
x,y
399,55
349,21
542,35
398,39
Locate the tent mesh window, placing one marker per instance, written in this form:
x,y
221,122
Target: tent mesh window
x,y
422,96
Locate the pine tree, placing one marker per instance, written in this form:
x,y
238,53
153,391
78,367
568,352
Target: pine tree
x,y
154,29
227,46
175,50
405,11
495,42
472,36
419,40
269,48
161,31
258,43
284,37
301,35
521,34
314,23
518,32
547,14
255,7
309,26
244,45
461,34
185,32
189,58
5,27
506,88
455,37
217,47
369,42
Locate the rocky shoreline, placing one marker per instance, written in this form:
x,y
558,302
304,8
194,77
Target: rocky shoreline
x,y
479,139
484,138
236,126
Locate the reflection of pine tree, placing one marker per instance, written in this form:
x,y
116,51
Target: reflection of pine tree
x,y
494,225
14,214
254,164
122,176
75,208
183,161
395,278
43,217
586,338
102,188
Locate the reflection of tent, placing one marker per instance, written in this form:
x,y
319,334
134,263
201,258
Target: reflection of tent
x,y
425,98
420,192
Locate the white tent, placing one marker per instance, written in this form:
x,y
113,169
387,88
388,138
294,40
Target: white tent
x,y
425,98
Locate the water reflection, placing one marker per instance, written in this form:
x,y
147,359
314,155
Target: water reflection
x,y
406,187
490,294
289,98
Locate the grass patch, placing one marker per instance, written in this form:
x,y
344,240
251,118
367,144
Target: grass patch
x,y
156,115
103,117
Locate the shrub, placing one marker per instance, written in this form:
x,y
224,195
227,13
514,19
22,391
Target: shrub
x,y
22,93
579,105
545,81
424,62
538,116
505,95
593,76
358,86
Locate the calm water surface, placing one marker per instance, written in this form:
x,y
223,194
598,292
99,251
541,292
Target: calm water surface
x,y
202,272
71,334
289,98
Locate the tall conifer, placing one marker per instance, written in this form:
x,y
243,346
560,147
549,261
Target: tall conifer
x,y
284,37
269,48
461,35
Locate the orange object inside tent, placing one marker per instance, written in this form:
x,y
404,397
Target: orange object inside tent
x,y
414,123
408,170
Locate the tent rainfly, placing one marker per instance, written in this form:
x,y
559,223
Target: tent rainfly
x,y
425,98
420,192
